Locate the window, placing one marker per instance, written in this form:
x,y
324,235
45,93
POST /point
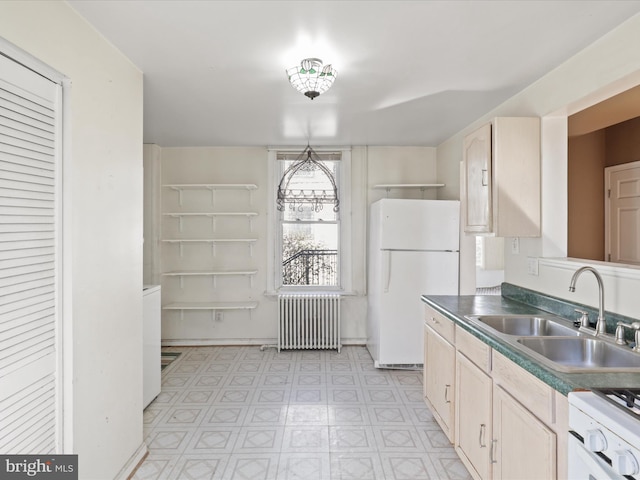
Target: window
x,y
309,244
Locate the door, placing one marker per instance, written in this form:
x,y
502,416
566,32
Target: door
x,y
622,213
477,168
30,261
523,448
473,417
418,224
405,277
439,377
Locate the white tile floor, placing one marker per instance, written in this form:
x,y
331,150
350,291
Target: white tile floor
x,y
239,413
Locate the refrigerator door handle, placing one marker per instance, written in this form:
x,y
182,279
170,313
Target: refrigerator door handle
x,y
387,273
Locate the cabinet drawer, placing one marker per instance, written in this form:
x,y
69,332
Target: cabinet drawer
x,y
472,348
531,392
440,324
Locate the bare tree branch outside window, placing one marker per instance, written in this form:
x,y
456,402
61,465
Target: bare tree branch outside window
x,y
307,262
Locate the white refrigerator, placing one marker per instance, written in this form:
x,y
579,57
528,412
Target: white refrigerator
x,y
413,250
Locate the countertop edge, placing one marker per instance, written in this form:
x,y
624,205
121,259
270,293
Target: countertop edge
x,y
559,381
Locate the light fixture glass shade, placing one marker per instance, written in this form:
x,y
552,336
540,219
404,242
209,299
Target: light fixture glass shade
x,y
311,78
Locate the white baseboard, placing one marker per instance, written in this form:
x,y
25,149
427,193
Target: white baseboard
x,y
133,463
213,342
209,342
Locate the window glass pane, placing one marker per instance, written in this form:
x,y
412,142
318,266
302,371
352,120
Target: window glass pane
x,y
304,213
310,254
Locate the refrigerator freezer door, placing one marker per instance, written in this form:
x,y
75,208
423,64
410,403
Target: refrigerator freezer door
x,y
405,277
417,224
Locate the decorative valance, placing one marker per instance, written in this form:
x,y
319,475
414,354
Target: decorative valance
x,y
307,169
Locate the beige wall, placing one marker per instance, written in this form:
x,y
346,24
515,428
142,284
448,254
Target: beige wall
x,y
370,166
586,161
103,176
588,156
623,142
401,165
605,68
152,214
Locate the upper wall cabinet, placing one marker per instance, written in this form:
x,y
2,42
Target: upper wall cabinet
x,y
501,187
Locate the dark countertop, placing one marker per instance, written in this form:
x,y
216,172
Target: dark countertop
x,y
456,307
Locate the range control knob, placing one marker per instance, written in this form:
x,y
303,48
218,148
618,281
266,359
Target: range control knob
x,y
595,441
624,463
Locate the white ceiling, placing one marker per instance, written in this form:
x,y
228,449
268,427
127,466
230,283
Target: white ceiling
x,y
409,72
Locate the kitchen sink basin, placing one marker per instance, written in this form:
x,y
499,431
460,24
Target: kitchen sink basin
x,y
525,325
554,342
573,354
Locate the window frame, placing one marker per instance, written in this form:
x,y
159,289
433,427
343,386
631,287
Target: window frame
x,y
275,222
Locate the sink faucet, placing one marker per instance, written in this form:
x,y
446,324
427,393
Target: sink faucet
x,y
601,325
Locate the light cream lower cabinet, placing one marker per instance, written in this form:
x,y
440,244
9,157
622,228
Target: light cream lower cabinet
x,y
439,371
523,446
504,422
473,417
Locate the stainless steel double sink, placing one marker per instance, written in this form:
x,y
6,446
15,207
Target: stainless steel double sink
x,y
554,342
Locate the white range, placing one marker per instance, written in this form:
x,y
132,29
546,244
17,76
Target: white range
x,y
604,434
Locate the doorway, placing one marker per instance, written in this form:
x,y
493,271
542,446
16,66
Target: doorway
x,y
622,213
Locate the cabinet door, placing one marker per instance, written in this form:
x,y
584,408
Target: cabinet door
x,y
515,163
477,194
524,448
439,376
473,417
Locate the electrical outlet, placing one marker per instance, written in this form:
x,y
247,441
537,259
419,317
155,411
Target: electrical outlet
x,y
532,265
218,316
515,246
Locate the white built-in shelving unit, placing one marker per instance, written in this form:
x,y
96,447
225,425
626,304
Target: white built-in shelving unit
x,y
210,306
211,215
212,187
211,241
403,186
202,216
211,273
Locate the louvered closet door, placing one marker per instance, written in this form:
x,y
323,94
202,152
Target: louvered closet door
x,y
29,260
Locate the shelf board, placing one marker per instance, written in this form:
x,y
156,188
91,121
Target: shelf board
x,y
210,214
211,306
211,186
210,240
209,273
388,186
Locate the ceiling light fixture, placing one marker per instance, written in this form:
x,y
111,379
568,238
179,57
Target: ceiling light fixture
x,y
311,78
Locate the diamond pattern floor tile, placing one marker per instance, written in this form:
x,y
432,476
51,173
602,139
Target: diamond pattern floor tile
x,y
304,466
348,415
156,467
241,413
198,467
216,441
